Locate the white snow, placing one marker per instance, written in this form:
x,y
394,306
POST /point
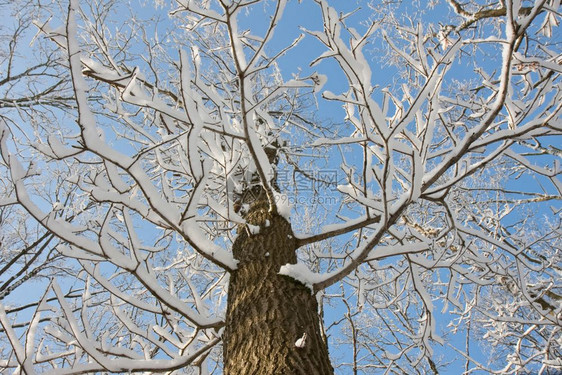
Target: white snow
x,y
302,273
55,148
301,342
253,229
319,81
283,204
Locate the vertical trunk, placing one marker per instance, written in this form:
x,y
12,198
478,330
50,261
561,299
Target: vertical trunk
x,y
267,313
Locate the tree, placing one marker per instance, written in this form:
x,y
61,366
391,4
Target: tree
x,y
32,89
209,218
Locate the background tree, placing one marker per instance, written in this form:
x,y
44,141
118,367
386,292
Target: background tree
x,y
33,86
193,188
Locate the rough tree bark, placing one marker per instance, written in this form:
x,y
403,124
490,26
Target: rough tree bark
x,y
267,312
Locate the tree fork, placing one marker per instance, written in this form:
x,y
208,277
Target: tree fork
x,y
267,313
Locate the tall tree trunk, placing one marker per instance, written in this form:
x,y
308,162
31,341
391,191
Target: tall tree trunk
x,y
268,313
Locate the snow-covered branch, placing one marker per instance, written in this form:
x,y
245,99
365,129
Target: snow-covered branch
x,y
418,156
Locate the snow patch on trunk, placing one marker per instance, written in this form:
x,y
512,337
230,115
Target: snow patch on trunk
x,y
302,273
